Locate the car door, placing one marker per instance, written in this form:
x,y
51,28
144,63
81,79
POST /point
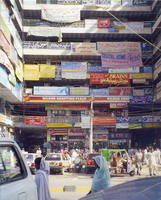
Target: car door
x,y
16,182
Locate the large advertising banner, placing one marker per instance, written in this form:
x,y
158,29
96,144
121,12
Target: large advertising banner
x,y
66,107
114,60
47,71
62,91
74,70
119,47
31,72
83,48
61,13
120,91
35,120
141,100
111,79
105,121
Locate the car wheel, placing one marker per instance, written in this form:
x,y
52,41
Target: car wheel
x,y
132,173
62,171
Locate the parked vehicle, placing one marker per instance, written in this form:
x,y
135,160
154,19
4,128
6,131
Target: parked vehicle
x,y
125,164
30,158
58,162
89,165
15,177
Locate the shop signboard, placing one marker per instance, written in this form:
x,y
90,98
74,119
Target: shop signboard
x,y
135,126
52,125
19,72
61,91
61,13
110,99
102,138
69,2
47,71
4,43
4,77
104,23
141,100
148,91
148,69
105,121
151,119
138,92
31,72
74,70
141,76
100,131
122,125
147,50
120,91
84,91
92,67
135,120
151,125
128,70
58,75
76,132
35,45
111,79
123,120
99,92
138,81
140,2
57,131
127,2
35,120
66,107
76,138
117,141
83,48
104,2
118,105
114,60
119,135
119,47
115,2
6,62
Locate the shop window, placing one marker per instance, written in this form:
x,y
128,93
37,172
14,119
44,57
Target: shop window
x,y
10,166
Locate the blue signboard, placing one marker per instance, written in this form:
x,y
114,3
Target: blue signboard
x,y
148,69
99,92
146,49
141,100
122,119
96,68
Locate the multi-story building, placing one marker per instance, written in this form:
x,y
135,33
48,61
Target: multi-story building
x,y
88,74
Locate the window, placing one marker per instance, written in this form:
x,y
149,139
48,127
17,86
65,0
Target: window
x,y
10,166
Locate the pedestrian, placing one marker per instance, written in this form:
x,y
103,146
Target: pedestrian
x,y
151,161
38,152
41,179
101,178
145,152
157,156
139,161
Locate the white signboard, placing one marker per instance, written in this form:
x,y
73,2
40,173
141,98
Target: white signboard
x,y
129,70
85,121
122,125
50,91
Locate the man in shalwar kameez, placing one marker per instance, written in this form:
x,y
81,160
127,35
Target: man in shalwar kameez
x,y
41,179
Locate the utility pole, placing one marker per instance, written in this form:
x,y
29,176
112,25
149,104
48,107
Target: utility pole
x,y
91,128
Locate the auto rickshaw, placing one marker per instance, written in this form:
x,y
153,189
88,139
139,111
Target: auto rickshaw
x,y
125,165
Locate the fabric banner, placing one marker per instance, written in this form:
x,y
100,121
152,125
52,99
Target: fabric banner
x,y
119,47
6,62
121,60
83,48
104,23
118,105
74,70
128,70
141,76
62,91
106,121
92,67
47,71
66,107
120,91
31,72
105,78
99,92
45,32
4,43
61,13
35,120
79,91
141,100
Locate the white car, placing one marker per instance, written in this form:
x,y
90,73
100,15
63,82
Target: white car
x,y
15,177
30,158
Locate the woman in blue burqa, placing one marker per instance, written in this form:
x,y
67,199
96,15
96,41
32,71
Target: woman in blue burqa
x,y
101,178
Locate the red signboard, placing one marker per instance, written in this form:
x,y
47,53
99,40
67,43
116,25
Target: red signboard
x,y
35,120
104,23
111,79
66,107
60,131
120,91
106,121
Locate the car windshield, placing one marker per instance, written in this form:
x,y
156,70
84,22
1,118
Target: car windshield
x,y
29,157
53,157
91,156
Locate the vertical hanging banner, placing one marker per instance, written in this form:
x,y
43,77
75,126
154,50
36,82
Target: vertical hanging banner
x,y
104,23
121,60
106,78
61,13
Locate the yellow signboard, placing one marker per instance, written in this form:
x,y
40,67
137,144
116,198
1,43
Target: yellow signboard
x,y
135,126
31,72
141,76
152,125
47,71
51,125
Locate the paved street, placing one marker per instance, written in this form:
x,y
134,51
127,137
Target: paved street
x,y
83,182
